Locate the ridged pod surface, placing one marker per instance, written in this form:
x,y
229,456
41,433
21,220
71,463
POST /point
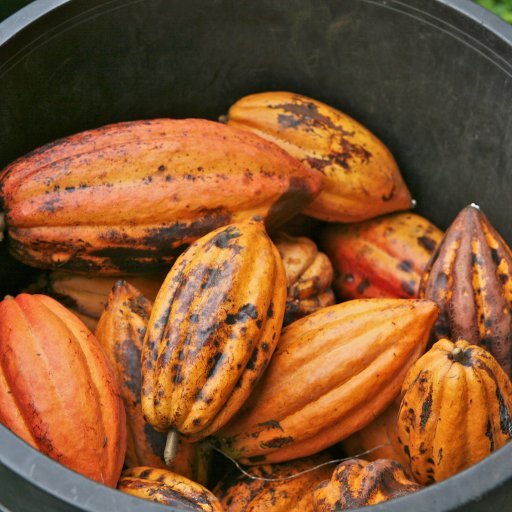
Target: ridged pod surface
x,y
308,276
380,436
470,278
129,197
332,373
213,329
168,488
240,493
361,177
57,390
456,409
358,483
383,257
121,332
87,296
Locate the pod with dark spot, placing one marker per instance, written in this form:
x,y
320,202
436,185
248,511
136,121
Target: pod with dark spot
x,y
361,178
120,199
308,276
168,488
470,278
211,334
357,483
383,257
321,384
276,487
462,404
121,330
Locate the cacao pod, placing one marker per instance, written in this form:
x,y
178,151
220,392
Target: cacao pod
x,y
57,390
168,488
380,437
278,488
454,388
87,296
213,328
470,278
382,257
361,177
332,372
358,483
128,197
308,276
121,330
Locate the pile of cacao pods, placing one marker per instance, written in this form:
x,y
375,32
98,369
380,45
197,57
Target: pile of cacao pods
x,y
256,288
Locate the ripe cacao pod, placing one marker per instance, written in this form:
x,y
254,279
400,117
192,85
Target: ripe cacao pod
x,y
278,488
308,276
382,257
168,488
332,372
380,436
57,390
357,483
87,296
213,329
121,330
128,197
470,278
455,388
361,177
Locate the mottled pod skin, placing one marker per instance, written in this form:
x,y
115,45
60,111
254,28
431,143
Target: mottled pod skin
x,y
129,197
357,483
213,329
87,296
121,330
308,276
456,409
380,436
57,390
383,257
470,278
361,177
240,493
168,488
332,373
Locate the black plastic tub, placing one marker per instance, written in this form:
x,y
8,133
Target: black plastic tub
x,y
432,78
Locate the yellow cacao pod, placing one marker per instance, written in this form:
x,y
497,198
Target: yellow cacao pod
x,y
212,330
361,177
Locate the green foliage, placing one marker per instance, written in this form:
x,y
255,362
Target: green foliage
x,y
502,8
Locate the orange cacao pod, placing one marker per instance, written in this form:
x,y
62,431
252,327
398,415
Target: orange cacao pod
x,y
453,386
358,483
361,178
382,257
470,278
331,374
58,392
213,328
121,330
140,192
168,488
308,276
278,492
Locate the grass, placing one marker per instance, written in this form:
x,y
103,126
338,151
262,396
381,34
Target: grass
x,y
502,8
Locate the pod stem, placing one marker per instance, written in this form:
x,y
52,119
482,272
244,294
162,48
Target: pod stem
x,y
171,447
